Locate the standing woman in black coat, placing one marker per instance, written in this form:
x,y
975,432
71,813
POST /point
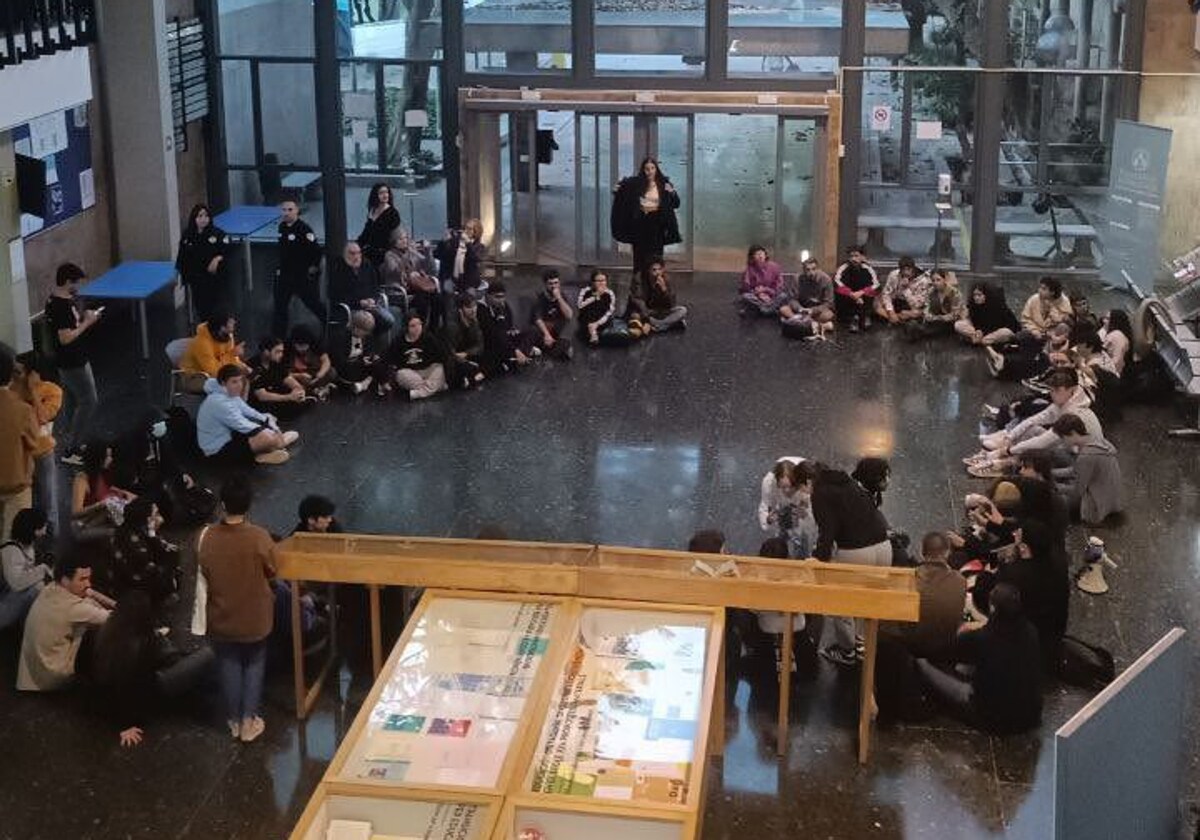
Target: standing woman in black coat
x,y
643,215
203,253
382,219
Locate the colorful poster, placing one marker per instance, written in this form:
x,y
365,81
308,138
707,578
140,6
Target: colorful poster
x,y
627,706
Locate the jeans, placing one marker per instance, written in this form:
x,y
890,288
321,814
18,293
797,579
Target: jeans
x,y
662,321
14,605
79,404
842,629
240,668
45,489
764,307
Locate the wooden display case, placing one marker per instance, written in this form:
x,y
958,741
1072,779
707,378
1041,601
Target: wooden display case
x,y
453,703
432,815
587,821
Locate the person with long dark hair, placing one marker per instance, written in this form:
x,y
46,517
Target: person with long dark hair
x,y
134,671
382,219
201,260
22,572
643,214
1117,335
989,320
141,559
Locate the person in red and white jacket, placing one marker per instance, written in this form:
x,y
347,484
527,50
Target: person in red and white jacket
x,y
855,285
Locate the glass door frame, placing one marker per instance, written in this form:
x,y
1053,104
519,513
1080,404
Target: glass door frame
x,y
478,106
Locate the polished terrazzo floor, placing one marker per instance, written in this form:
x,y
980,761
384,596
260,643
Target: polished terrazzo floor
x,y
641,447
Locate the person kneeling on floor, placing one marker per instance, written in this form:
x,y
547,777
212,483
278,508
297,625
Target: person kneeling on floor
x,y
232,433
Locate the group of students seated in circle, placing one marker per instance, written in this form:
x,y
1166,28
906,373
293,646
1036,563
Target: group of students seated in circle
x,y
95,619
994,590
808,304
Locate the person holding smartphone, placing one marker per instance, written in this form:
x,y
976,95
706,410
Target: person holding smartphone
x,y
68,327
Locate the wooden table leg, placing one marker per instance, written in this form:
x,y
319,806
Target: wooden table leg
x,y
866,702
298,651
716,734
376,629
785,685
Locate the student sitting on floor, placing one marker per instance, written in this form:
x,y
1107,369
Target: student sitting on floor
x,y
809,297
904,293
272,387
232,433
1045,308
505,347
597,307
551,315
943,308
22,572
1117,337
419,360
97,503
760,288
359,362
855,286
1096,492
213,347
464,339
652,305
309,363
988,319
60,625
1004,693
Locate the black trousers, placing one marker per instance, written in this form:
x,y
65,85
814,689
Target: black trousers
x,y
308,289
210,293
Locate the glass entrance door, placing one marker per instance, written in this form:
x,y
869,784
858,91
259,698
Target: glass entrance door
x,y
742,179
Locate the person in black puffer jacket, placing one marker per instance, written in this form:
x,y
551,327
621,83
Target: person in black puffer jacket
x,y
850,529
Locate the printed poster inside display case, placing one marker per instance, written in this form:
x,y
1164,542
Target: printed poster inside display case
x,y
447,713
625,713
544,824
352,818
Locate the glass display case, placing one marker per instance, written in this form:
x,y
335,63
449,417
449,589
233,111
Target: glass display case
x,y
449,704
333,816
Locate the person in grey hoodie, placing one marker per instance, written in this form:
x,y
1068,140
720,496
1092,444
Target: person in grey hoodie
x,y
230,431
1097,490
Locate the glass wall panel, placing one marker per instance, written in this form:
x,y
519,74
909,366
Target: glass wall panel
x,y
360,124
650,37
289,114
266,27
1054,164
1066,33
390,29
919,32
238,99
735,206
785,43
505,36
916,127
797,220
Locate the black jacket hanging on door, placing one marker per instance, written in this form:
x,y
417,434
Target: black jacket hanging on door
x,y
631,226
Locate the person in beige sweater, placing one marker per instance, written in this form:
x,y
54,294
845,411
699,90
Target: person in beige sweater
x,y
58,627
237,560
1045,308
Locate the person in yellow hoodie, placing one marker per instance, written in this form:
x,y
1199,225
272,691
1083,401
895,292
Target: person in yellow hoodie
x,y
213,347
18,442
46,400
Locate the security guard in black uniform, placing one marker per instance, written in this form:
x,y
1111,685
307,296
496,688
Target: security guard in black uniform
x,y
299,271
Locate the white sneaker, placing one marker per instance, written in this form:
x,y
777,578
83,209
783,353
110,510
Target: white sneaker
x,y
290,437
252,728
235,729
275,456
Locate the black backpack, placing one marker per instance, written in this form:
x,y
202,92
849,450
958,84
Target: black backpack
x,y
181,436
1084,665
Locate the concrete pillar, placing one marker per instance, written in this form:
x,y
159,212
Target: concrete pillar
x,y
14,290
137,98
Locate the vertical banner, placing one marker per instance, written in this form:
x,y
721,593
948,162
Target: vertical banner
x,y
1137,187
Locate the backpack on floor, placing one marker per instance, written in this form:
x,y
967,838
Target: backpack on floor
x,y
616,334
798,326
190,506
181,435
1084,665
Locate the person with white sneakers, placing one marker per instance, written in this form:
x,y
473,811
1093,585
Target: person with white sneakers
x,y
229,431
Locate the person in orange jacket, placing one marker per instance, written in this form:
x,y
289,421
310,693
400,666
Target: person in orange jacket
x,y
213,347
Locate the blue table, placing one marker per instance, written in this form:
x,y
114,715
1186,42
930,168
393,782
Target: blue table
x,y
136,281
243,221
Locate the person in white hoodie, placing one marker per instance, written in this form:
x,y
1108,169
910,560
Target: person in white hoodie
x,y
230,431
785,507
1035,433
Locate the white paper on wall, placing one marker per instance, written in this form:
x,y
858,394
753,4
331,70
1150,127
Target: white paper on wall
x,y
23,147
48,134
51,170
929,129
881,117
31,224
16,261
87,189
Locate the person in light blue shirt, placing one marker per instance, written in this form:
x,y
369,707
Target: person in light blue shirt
x,y
232,433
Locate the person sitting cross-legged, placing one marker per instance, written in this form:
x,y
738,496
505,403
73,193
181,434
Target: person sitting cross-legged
x,y
943,308
904,293
505,347
464,340
359,362
855,286
652,305
1004,693
1045,308
597,306
988,319
272,387
551,315
760,288
309,363
810,297
419,360
232,433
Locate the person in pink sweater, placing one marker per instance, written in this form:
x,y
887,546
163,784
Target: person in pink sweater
x,y
760,289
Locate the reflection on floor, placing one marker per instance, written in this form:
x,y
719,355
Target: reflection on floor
x,y
639,447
